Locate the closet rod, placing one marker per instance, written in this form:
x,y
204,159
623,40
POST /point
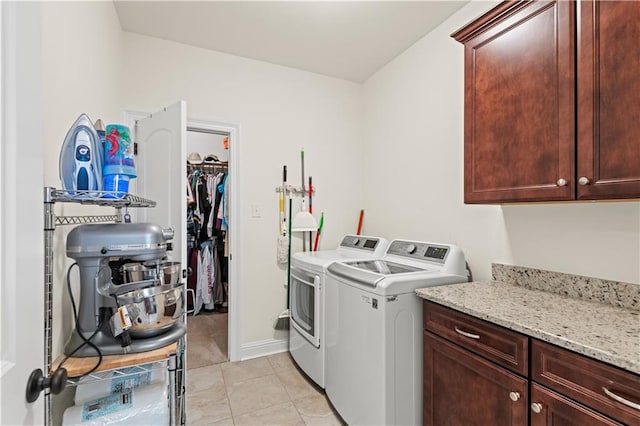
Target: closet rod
x,y
209,131
213,166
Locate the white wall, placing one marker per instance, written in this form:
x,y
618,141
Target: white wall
x,y
413,161
279,111
80,74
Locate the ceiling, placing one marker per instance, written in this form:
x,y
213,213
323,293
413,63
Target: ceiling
x,y
350,40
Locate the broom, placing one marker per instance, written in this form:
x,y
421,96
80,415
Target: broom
x,y
282,236
282,322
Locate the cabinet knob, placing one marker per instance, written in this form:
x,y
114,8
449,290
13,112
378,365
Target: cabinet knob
x,y
514,396
561,182
584,181
536,407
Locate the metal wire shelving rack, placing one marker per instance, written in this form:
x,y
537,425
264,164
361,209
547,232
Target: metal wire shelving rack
x,y
119,201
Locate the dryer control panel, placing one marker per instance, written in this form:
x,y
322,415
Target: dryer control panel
x,y
418,250
360,242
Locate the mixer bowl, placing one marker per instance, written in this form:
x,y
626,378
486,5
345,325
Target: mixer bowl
x,y
134,272
169,272
153,310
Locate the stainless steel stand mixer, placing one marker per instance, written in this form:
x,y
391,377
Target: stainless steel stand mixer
x,y
155,304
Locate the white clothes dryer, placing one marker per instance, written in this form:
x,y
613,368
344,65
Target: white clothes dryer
x,y
374,330
307,299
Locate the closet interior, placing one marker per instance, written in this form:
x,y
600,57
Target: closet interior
x,y
207,245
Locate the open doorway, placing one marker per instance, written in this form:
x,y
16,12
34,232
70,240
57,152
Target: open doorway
x,y
207,239
233,294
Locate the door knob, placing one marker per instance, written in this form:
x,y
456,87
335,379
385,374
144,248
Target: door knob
x,y
37,383
536,407
561,182
514,396
584,181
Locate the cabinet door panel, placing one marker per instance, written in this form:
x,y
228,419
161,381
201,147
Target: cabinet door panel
x,y
609,99
519,105
584,380
461,388
556,410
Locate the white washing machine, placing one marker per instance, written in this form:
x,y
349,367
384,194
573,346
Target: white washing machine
x,y
374,330
307,307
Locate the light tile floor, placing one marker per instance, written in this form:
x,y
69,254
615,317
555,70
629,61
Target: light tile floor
x,y
262,391
206,339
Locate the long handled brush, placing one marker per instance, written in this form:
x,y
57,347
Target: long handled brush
x,y
282,322
282,236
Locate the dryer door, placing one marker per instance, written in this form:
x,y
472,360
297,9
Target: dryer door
x,y
305,305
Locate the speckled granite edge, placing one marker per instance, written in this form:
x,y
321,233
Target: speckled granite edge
x,y
621,294
604,332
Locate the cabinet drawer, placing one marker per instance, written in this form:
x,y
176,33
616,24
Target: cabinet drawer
x,y
607,389
504,347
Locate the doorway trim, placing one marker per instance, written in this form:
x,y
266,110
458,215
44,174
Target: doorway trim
x,y
130,117
233,130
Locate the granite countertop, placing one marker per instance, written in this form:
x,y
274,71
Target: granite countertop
x,y
601,331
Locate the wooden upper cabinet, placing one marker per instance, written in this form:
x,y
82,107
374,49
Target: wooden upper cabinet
x,y
532,77
519,103
609,99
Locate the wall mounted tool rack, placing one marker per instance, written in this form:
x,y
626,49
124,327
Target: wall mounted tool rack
x,y
174,354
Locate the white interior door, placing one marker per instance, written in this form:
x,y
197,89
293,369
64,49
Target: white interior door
x,y
21,212
161,168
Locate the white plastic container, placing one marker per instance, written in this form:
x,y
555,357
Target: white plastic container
x,y
147,405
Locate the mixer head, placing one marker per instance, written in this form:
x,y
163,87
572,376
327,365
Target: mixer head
x,y
135,241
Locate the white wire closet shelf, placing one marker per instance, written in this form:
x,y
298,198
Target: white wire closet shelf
x,y
100,198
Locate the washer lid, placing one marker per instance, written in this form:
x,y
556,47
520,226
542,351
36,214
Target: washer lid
x,y
372,272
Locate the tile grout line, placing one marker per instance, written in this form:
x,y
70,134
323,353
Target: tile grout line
x,y
226,393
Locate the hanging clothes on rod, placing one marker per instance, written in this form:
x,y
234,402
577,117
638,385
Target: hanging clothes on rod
x,y
207,229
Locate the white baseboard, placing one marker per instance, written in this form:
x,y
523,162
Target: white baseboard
x,y
263,348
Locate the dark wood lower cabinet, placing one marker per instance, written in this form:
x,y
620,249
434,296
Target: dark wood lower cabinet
x,y
461,388
551,409
468,383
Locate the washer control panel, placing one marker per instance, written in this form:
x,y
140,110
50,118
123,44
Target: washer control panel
x,y
360,242
416,250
